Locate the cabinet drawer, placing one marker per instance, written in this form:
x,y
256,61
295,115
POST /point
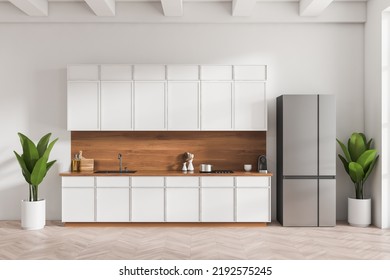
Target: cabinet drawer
x,y
149,72
183,72
217,182
83,72
253,181
78,181
250,73
112,181
116,72
147,182
182,182
216,73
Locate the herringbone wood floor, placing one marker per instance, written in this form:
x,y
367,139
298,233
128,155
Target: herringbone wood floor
x,y
273,242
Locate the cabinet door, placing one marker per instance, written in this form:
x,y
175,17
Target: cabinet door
x,y
253,205
149,72
116,105
78,204
183,105
250,73
120,72
149,108
83,105
183,72
216,72
250,106
87,72
217,205
112,204
182,204
147,205
216,106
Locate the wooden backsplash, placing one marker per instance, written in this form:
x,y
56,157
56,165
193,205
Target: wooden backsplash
x,y
163,150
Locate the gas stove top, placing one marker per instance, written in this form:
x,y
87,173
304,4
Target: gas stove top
x,y
220,171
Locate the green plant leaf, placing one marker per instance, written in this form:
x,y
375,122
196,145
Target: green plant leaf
x,y
39,172
356,172
369,144
366,159
25,172
345,163
49,165
370,168
356,146
42,144
30,153
49,148
345,151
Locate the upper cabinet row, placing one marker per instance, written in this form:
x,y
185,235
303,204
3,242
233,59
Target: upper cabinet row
x,y
166,97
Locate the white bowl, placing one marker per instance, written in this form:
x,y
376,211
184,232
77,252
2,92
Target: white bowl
x,y
247,167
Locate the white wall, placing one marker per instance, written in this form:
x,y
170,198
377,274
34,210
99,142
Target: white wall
x,y
373,108
301,58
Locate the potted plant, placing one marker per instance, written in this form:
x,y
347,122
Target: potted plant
x,y
34,163
358,160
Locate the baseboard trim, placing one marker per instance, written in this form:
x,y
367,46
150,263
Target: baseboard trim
x,y
168,224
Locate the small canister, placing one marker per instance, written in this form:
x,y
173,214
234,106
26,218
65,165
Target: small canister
x,y
75,165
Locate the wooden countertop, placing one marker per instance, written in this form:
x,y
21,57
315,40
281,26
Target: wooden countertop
x,y
165,173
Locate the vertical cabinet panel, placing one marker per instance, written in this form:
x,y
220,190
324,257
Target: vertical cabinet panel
x,y
78,204
83,105
327,135
147,205
253,204
149,107
300,202
216,106
112,204
116,107
300,135
327,202
183,105
182,204
250,106
217,205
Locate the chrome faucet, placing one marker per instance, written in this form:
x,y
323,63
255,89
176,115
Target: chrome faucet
x,y
120,162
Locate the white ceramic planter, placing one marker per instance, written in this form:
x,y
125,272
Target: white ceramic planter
x,y
359,212
33,214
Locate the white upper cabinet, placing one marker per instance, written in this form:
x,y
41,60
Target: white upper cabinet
x,y
83,106
149,72
167,97
116,107
183,72
183,105
250,73
216,106
116,72
83,72
149,106
216,72
250,106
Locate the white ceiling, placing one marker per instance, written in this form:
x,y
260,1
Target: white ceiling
x,y
178,8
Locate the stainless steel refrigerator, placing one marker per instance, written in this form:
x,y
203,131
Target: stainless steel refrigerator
x,y
306,160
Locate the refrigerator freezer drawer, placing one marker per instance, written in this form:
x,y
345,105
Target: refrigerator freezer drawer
x,y
300,201
327,203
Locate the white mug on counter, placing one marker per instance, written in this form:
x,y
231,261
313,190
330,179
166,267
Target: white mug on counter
x,y
247,167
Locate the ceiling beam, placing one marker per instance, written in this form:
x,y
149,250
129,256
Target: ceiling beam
x,y
172,8
313,8
243,8
102,8
37,8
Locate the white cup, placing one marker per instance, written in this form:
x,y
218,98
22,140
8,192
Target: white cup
x,y
247,167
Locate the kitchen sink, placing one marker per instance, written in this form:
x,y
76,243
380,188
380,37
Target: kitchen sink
x,y
115,171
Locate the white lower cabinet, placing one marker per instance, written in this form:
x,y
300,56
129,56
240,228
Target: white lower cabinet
x,y
166,199
217,205
112,204
147,205
253,204
182,204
